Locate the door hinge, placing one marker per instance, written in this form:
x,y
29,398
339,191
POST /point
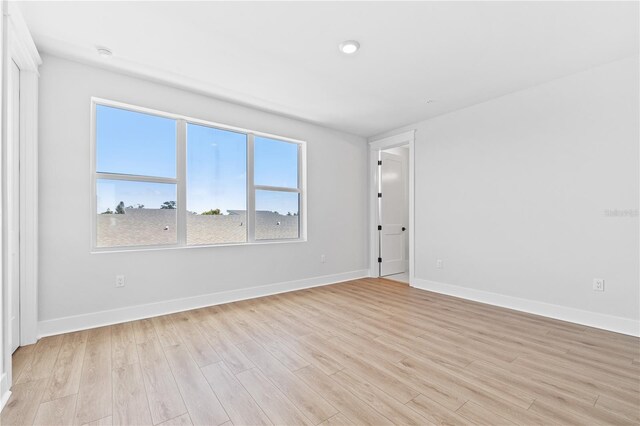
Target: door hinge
x,y
379,260
379,194
379,227
379,162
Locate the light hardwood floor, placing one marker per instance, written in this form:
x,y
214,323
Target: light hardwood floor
x,y
369,351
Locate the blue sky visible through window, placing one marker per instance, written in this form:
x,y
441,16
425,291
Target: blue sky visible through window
x,y
134,143
216,169
276,163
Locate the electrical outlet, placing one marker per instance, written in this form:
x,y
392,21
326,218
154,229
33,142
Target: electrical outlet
x,y
439,264
598,284
323,258
119,280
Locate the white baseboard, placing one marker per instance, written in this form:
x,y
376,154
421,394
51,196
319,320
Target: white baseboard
x,y
564,313
5,393
131,313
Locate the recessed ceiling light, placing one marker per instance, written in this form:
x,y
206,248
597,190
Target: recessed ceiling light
x,y
349,47
104,52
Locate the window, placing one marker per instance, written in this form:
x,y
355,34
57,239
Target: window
x,y
172,181
276,191
124,221
136,182
216,186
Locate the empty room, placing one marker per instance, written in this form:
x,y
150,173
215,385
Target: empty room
x,y
320,213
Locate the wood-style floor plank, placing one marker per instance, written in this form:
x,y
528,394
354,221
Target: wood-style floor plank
x,y
275,404
436,413
21,358
379,400
43,359
105,421
346,402
369,351
166,331
23,405
624,409
183,420
65,376
57,412
337,420
94,394
193,340
233,358
240,406
312,405
164,398
279,350
360,362
202,404
130,405
123,345
480,415
588,412
314,356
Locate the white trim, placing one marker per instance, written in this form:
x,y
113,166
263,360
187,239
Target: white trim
x,y
406,138
392,141
18,46
4,385
302,198
374,242
129,249
5,393
251,193
93,176
131,313
4,399
181,187
28,206
563,313
137,178
276,188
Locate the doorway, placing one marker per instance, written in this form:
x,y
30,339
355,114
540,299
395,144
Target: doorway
x,y
393,213
392,207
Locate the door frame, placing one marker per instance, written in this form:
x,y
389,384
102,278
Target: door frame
x,y
376,145
18,46
12,204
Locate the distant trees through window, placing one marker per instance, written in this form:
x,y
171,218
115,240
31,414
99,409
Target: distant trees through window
x,y
168,205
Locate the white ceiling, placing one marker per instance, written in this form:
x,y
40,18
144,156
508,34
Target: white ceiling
x,y
283,57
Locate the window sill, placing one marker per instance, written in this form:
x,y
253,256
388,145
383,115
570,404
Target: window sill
x,y
188,247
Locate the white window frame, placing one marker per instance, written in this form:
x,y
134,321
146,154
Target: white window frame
x,y
181,180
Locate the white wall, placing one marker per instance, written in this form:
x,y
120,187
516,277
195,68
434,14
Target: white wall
x,y
75,282
511,194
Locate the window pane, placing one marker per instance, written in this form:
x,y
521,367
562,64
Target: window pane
x,y
277,215
216,186
135,213
133,143
276,163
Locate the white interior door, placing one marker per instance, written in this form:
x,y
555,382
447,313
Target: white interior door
x,y
392,214
12,194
